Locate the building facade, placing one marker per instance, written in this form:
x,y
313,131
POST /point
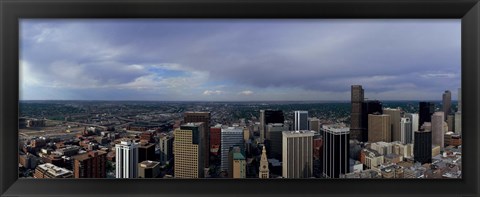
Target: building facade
x,y
188,153
205,118
395,118
300,121
230,137
297,153
336,152
126,159
422,148
357,98
379,128
90,165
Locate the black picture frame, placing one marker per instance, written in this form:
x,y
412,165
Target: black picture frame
x,y
13,10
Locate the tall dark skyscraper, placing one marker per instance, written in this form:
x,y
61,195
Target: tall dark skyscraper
x,y
205,118
336,152
369,107
447,103
357,99
269,116
425,113
422,147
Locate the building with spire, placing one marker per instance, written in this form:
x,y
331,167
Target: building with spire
x,y
263,171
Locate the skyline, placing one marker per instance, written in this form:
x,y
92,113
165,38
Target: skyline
x,y
182,59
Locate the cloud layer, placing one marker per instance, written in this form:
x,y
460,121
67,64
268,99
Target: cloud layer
x,y
231,60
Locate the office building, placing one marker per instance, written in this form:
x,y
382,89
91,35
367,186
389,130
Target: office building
x,y
231,136
215,139
451,122
406,133
274,142
90,165
379,128
166,148
146,151
314,124
297,153
458,114
336,152
369,107
438,130
373,159
384,148
126,159
264,172
188,152
395,119
49,170
446,103
422,148
269,116
426,110
300,121
237,163
357,98
205,118
415,121
149,169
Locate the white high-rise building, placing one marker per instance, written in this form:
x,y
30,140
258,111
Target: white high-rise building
x,y
126,159
406,130
301,120
231,136
414,119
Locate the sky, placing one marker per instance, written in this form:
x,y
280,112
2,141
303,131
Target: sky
x,y
238,60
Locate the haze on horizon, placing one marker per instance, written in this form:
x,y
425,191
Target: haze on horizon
x,y
238,60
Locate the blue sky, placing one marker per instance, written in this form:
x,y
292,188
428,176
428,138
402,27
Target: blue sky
x,y
232,60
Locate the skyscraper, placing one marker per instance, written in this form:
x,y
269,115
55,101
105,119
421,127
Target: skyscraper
x,y
406,130
274,133
458,114
166,148
379,128
438,131
297,153
215,139
269,116
422,148
230,137
126,159
314,124
357,98
336,152
188,152
300,121
369,107
205,118
426,110
264,173
395,122
446,103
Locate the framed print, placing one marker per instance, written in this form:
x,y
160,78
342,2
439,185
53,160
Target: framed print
x,y
156,98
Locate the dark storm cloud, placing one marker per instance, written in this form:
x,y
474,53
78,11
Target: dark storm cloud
x,y
324,56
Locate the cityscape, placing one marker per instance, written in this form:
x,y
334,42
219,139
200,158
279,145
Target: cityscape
x,y
141,139
240,98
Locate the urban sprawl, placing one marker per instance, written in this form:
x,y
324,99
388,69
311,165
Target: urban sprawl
x,y
141,139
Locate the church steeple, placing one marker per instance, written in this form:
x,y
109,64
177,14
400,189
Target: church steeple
x,y
263,171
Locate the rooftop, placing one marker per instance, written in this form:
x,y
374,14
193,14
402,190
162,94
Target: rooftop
x,y
54,170
148,164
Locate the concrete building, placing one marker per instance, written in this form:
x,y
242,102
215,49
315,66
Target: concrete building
x,y
422,148
395,118
379,128
297,153
373,159
126,159
231,136
314,124
451,122
148,169
414,119
90,165
336,152
166,148
438,129
205,118
357,98
384,148
188,152
300,121
369,107
215,139
406,134
264,172
49,170
238,165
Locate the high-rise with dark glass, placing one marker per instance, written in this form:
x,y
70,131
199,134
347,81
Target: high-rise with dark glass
x,y
422,147
205,118
369,107
357,99
269,116
446,103
336,152
426,110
